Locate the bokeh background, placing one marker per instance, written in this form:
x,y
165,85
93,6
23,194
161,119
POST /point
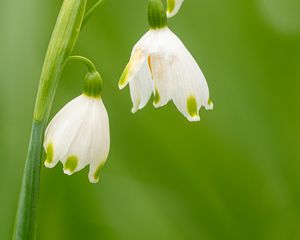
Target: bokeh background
x,y
234,175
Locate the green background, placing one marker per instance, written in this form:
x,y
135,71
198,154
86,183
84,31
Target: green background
x,y
234,175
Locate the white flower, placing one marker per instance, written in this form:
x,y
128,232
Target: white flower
x,y
161,64
173,7
79,136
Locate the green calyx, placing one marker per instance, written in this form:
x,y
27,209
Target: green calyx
x,y
92,85
157,16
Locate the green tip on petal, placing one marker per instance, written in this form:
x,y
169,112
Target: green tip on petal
x,y
210,105
97,173
94,177
123,79
156,97
192,107
157,16
70,165
171,5
136,105
49,152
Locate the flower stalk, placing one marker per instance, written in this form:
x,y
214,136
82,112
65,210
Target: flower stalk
x,y
62,42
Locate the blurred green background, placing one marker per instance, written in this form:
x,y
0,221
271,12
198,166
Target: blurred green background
x,y
234,175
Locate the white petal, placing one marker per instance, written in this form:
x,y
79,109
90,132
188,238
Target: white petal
x,y
146,42
173,7
79,135
138,58
162,80
141,88
77,156
190,90
100,141
62,129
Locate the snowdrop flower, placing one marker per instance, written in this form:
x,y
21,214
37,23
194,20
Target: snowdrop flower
x,y
79,133
161,64
173,7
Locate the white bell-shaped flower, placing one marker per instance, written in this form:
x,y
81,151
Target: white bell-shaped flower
x,y
173,7
79,133
161,64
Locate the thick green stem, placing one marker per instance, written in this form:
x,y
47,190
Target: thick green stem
x,y
26,217
62,42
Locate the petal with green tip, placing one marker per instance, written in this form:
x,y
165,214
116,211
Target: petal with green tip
x,y
70,165
133,67
192,108
162,81
50,153
209,105
141,88
173,7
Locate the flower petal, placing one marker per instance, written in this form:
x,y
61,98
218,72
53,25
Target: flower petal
x,y
162,80
133,67
190,90
173,7
79,148
62,128
100,141
141,88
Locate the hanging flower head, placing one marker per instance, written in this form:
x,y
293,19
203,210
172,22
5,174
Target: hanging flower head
x,y
79,133
161,64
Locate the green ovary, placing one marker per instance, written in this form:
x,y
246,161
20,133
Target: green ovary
x,y
71,163
192,106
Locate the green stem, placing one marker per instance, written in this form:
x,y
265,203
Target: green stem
x,y
93,81
88,63
25,227
62,42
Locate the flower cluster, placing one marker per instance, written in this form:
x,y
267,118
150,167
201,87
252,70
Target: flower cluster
x,y
159,64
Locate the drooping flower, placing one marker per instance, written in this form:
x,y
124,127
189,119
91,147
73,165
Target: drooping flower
x,y
173,7
79,133
161,64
